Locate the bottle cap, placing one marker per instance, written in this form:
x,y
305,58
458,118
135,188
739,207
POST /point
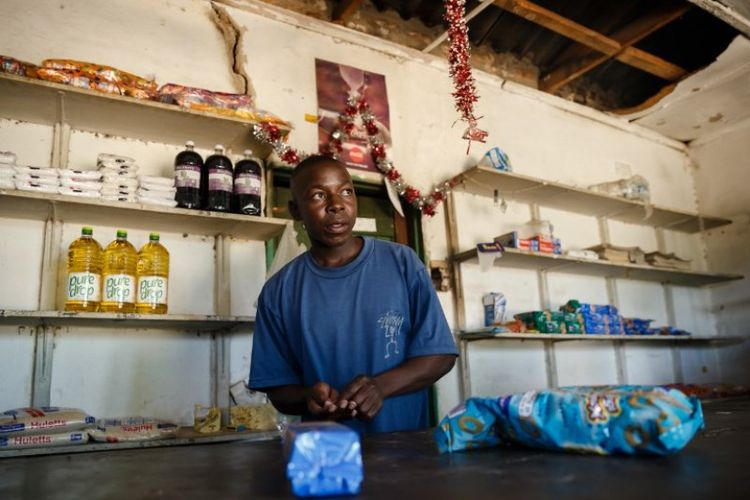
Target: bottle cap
x,y
87,231
190,144
248,152
121,233
153,237
219,148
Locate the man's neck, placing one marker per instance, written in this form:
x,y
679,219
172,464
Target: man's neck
x,y
337,256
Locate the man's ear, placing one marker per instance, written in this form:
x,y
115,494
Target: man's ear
x,y
294,210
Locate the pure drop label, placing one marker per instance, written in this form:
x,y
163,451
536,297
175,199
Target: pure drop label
x,y
119,288
84,287
152,290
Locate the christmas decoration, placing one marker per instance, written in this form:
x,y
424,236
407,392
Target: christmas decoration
x,y
465,92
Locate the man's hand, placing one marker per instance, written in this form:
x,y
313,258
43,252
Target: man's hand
x,y
363,396
323,401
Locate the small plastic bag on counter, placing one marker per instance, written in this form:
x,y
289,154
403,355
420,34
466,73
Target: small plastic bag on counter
x,y
42,440
323,458
118,430
206,419
42,420
630,420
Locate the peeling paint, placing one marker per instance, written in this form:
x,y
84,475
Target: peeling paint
x,y
233,33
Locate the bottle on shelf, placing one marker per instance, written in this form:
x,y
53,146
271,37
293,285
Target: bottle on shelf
x,y
216,181
152,274
187,177
248,178
84,288
118,274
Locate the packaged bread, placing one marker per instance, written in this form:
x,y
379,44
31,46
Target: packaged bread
x,y
101,73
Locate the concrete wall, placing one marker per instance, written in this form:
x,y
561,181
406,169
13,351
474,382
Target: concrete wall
x,y
178,41
723,166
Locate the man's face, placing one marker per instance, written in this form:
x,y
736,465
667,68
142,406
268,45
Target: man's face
x,y
323,199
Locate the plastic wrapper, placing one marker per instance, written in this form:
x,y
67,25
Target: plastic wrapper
x,y
80,175
36,171
496,158
323,458
253,418
494,308
629,420
126,199
16,67
635,187
206,419
39,440
45,419
82,185
35,187
118,430
162,202
636,326
120,183
79,193
33,179
101,73
115,161
546,321
238,105
7,158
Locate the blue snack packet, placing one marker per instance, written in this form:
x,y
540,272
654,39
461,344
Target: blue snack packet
x,y
629,420
323,458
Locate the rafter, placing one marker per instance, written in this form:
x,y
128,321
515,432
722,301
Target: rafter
x,y
344,10
592,39
582,60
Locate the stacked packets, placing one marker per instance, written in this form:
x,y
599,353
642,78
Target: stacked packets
x,y
119,177
7,161
36,179
82,183
154,190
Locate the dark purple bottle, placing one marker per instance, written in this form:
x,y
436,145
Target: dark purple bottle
x,y
248,178
187,177
217,181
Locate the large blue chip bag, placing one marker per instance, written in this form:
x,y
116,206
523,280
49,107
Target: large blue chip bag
x,y
323,458
621,419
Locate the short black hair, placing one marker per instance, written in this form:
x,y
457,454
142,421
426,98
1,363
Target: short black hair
x,y
310,162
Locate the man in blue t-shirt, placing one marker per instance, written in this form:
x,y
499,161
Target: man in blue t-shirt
x,y
351,330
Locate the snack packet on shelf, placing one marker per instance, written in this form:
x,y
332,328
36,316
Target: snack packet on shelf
x,y
101,73
45,419
118,430
16,67
631,420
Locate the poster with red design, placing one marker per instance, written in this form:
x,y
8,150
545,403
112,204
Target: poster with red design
x,y
335,84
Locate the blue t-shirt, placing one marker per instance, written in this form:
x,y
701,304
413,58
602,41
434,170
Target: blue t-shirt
x,y
331,324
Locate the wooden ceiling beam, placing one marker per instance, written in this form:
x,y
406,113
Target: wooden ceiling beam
x,y
629,35
592,39
344,10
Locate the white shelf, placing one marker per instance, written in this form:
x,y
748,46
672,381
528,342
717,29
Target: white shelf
x,y
48,103
40,206
126,320
525,189
524,259
488,334
185,436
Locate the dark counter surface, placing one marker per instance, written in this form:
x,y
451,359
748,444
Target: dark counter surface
x,y
401,465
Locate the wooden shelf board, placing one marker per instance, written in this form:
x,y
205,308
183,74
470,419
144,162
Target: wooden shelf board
x,y
41,206
524,259
487,334
525,189
127,320
39,101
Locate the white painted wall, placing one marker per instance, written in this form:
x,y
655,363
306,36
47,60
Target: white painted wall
x,y
176,41
723,167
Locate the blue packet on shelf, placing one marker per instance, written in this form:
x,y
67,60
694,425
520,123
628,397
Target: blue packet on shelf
x,y
323,458
630,420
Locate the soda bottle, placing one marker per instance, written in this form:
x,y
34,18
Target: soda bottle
x,y
217,181
84,288
187,177
153,277
118,274
248,175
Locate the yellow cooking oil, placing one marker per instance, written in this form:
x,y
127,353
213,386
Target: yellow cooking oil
x,y
84,286
118,275
152,277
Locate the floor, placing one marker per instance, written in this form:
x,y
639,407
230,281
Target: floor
x,y
714,465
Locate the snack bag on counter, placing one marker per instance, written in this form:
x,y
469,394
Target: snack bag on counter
x,y
42,420
631,420
16,67
118,430
323,458
38,440
206,419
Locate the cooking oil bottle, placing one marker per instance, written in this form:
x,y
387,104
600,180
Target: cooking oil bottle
x,y
84,289
153,277
118,274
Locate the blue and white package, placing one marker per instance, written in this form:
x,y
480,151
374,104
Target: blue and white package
x,y
323,458
497,158
630,420
13,442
